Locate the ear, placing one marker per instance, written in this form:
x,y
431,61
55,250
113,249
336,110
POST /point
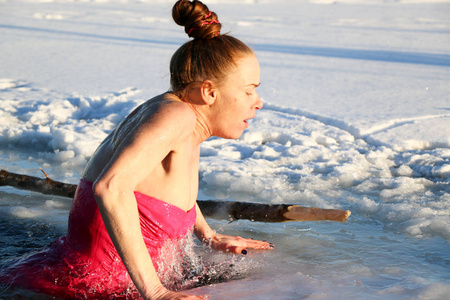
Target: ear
x,y
208,92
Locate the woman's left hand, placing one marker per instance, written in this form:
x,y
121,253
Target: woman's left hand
x,y
237,244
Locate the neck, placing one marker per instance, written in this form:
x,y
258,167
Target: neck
x,y
202,130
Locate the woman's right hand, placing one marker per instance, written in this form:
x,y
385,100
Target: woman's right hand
x,y
161,293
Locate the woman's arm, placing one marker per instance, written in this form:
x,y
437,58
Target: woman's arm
x,y
121,218
146,145
221,242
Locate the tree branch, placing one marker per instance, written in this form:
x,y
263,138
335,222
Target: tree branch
x,y
228,210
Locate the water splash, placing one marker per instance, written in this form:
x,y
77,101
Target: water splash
x,y
187,264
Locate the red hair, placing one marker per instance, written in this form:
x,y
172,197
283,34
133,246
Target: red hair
x,y
210,55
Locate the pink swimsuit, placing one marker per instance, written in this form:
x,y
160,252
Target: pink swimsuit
x,y
85,263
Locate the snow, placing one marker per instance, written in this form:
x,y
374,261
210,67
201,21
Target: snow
x,y
356,116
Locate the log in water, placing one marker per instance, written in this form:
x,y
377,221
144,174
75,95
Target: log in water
x,y
230,210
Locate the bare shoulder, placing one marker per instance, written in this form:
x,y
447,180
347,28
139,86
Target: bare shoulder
x,y
167,108
161,117
168,116
178,110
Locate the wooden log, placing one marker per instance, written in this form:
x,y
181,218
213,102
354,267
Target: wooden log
x,y
229,210
34,184
269,212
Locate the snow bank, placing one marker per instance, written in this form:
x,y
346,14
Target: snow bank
x,y
286,156
62,129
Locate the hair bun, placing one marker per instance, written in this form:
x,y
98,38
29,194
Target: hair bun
x,y
198,21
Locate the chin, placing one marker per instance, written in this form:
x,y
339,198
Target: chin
x,y
232,135
235,137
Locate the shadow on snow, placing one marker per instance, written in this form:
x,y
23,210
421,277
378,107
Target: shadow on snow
x,y
359,54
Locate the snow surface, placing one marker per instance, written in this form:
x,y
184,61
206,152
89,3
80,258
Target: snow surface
x,y
356,116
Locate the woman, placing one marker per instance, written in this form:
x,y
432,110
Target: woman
x,y
139,189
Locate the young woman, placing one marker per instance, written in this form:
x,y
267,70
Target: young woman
x,y
139,189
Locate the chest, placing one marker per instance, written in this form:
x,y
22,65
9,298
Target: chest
x,y
184,161
175,179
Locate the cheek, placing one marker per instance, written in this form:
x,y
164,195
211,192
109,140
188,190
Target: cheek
x,y
231,125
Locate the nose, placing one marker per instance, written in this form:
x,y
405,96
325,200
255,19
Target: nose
x,y
258,104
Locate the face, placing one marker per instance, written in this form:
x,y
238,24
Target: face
x,y
237,99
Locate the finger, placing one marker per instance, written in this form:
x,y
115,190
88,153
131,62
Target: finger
x,y
263,245
237,250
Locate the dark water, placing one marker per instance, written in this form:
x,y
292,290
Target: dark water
x,y
18,237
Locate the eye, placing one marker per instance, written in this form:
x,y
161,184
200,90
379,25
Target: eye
x,y
250,92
